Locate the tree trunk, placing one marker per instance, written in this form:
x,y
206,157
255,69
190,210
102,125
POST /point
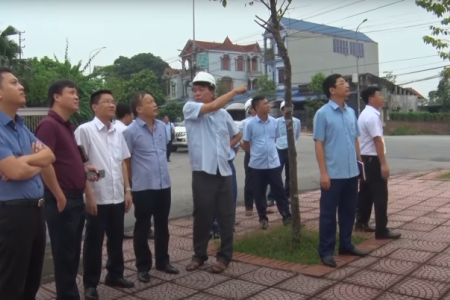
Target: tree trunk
x,y
289,109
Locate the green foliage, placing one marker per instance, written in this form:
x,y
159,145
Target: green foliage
x,y
390,76
220,88
172,109
311,107
440,9
419,116
405,130
144,81
117,86
441,96
316,83
9,50
266,87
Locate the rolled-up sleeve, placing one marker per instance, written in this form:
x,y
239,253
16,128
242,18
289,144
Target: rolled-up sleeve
x,y
319,126
248,131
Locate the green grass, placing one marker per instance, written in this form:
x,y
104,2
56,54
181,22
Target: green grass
x,y
445,176
407,130
275,243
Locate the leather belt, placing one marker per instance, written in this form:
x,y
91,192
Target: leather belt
x,y
23,203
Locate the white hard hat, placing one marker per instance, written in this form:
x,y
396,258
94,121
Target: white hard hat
x,y
205,77
248,104
282,105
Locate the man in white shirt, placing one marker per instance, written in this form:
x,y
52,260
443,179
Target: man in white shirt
x,y
170,134
124,117
374,190
111,199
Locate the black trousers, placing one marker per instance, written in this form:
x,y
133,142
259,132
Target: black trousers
x,y
373,191
213,196
283,155
248,190
150,203
22,250
109,220
260,179
169,149
66,230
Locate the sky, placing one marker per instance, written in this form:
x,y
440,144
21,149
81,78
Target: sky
x,y
127,28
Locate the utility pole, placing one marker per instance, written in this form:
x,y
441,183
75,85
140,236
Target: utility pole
x,y
20,43
193,58
357,67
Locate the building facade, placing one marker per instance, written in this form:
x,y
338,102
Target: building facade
x,y
315,48
231,65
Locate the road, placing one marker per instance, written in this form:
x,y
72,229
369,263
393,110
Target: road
x,y
404,154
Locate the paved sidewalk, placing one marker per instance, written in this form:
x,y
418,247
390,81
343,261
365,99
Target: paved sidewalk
x,y
415,267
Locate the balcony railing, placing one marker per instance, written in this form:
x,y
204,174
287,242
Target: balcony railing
x,y
254,73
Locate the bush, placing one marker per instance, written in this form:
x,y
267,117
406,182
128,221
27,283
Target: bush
x,y
420,116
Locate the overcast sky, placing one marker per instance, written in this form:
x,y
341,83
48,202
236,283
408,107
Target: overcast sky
x,y
162,27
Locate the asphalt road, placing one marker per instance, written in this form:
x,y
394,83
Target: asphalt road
x,y
404,154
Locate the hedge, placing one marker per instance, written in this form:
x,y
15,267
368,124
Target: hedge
x,y
420,116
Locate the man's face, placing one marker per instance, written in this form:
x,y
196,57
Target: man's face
x,y
11,91
68,99
377,100
148,107
106,107
203,93
341,89
166,119
263,106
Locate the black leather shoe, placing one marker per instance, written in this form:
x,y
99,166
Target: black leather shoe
x,y
169,269
120,283
90,294
143,276
354,252
364,227
329,261
151,235
389,235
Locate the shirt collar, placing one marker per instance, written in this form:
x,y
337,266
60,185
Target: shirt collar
x,y
58,118
259,120
372,109
334,105
5,119
142,123
100,126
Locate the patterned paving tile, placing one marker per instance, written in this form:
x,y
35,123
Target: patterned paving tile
x,y
422,208
179,230
276,294
168,277
140,286
433,273
305,285
418,227
179,254
341,273
384,250
129,298
344,291
204,296
392,296
235,289
374,279
419,288
266,276
411,255
410,212
237,269
181,243
441,260
429,221
421,245
183,222
44,294
401,218
166,291
363,262
399,267
200,280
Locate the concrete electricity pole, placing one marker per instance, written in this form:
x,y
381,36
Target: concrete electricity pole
x,y
357,67
20,43
193,58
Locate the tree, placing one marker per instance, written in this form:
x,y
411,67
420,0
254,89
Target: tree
x,y
390,76
441,96
9,50
172,109
266,87
145,81
312,106
221,89
273,26
117,86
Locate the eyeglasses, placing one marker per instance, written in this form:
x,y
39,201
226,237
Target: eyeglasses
x,y
109,102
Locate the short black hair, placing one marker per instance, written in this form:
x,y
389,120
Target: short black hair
x,y
330,82
95,96
57,87
4,70
122,109
369,92
136,101
256,100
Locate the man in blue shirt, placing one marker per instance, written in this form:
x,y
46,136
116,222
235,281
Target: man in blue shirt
x,y
211,133
336,135
22,223
170,134
146,140
282,148
260,134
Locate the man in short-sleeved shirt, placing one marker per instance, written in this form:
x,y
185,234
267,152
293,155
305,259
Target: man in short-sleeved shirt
x,y
260,134
336,135
211,134
22,223
373,190
170,134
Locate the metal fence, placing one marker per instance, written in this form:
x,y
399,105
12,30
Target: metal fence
x,y
32,116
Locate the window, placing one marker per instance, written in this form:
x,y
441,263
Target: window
x,y
341,46
249,66
239,63
281,75
254,64
226,62
357,49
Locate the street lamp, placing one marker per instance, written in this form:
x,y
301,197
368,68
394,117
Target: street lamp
x,y
90,56
357,67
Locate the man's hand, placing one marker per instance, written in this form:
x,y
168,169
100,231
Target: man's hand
x,y
61,203
89,168
385,172
91,205
128,201
325,181
36,147
241,90
4,177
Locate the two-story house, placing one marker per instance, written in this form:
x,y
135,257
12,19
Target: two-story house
x,y
231,65
317,48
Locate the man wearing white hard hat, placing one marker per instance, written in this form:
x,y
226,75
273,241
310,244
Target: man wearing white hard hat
x,y
211,132
248,193
282,148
